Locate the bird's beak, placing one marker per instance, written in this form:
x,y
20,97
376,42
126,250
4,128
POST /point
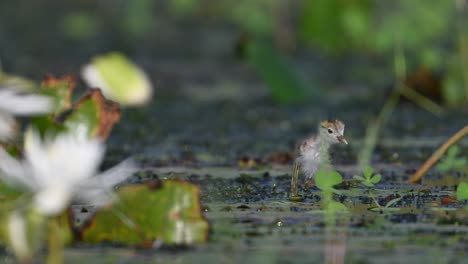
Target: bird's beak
x,y
342,140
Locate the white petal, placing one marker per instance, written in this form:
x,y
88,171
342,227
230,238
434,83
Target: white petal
x,y
7,127
18,104
52,201
14,172
114,175
17,235
98,190
65,161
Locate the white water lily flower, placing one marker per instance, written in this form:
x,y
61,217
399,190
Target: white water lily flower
x,y
61,169
14,103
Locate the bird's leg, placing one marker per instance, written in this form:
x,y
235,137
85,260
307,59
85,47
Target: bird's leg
x,y
308,183
294,180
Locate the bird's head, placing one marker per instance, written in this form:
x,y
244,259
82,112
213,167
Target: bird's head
x,y
333,131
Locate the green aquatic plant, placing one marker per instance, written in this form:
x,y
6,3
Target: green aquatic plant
x,y
452,160
368,179
325,180
387,207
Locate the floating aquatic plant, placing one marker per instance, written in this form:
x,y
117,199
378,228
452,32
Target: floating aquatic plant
x,y
118,78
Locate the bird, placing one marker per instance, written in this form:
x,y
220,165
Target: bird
x,y
313,151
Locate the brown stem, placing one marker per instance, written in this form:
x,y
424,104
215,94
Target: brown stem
x,y
438,154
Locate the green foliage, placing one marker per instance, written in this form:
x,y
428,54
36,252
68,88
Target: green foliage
x,y
8,195
284,85
79,25
462,191
183,7
170,213
325,180
334,25
46,125
254,16
368,180
451,160
60,90
388,207
138,17
84,119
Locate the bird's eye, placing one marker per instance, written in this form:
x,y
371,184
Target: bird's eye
x,y
330,131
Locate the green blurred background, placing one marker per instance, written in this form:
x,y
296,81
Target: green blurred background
x,y
290,51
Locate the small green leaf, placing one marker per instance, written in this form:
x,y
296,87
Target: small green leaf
x,y
453,151
368,183
462,191
326,179
368,172
451,161
168,211
359,178
376,178
391,202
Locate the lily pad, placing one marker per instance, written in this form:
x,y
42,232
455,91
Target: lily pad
x,y
60,90
167,212
119,78
93,115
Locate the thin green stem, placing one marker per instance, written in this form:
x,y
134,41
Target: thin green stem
x,y
56,243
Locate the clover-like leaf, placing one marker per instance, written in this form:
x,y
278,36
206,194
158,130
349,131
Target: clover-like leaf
x,y
359,178
376,178
326,179
368,172
451,161
368,183
168,212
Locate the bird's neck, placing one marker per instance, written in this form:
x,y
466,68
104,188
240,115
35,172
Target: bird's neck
x,y
323,146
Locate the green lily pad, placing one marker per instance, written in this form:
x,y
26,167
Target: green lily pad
x,y
60,90
167,212
93,115
119,78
